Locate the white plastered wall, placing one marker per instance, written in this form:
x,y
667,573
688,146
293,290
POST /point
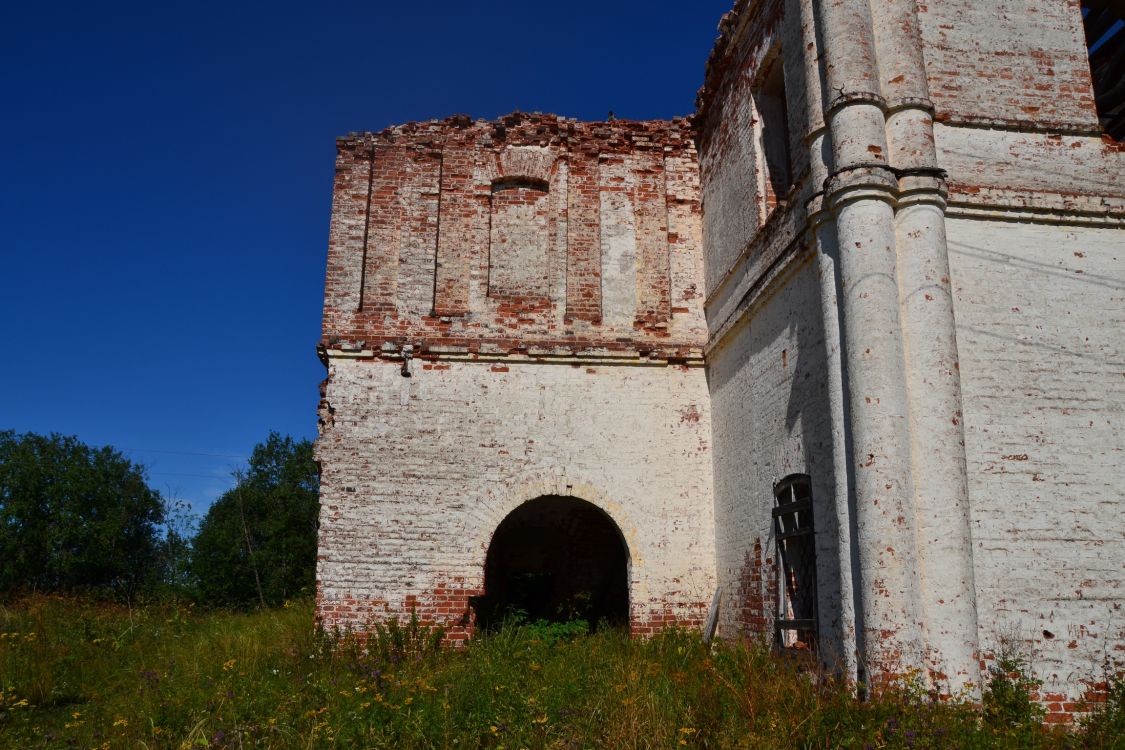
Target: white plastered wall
x,y
1041,333
771,418
420,471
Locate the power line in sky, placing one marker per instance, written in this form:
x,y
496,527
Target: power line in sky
x,y
186,453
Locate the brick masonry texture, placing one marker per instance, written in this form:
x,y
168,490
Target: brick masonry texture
x,y
926,321
1032,229
1044,383
419,472
533,232
546,275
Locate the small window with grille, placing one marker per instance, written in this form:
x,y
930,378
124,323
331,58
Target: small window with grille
x,y
795,621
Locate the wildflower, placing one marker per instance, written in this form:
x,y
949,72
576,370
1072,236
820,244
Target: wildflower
x,y
687,730
493,728
541,720
228,665
121,723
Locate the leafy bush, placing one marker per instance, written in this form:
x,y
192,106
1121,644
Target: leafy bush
x,y
1009,703
1105,724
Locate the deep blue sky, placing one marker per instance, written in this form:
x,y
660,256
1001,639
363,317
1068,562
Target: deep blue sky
x,y
165,188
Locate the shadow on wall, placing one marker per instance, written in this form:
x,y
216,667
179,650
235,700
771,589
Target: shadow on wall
x,y
787,355
556,559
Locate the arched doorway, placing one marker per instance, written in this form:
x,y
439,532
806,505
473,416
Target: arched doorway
x,y
556,558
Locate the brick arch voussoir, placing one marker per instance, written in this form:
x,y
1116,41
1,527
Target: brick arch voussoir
x,y
499,504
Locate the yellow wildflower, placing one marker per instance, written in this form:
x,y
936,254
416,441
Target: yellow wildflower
x,y
541,720
121,723
228,665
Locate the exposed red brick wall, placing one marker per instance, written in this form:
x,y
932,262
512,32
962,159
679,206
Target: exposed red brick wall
x,y
447,606
534,281
1018,63
757,593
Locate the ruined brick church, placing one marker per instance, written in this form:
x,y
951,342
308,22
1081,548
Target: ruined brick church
x,y
839,359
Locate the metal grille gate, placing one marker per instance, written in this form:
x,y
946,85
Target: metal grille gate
x,y
795,619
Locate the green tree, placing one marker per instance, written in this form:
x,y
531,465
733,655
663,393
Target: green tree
x,y
257,543
74,517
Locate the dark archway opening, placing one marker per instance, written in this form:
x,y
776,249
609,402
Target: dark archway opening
x,y
556,559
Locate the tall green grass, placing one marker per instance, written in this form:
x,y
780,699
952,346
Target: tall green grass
x,y
76,674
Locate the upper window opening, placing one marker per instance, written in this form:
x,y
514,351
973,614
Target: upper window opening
x,y
518,239
1104,22
773,122
510,183
795,623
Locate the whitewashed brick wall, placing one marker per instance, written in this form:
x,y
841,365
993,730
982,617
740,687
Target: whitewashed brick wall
x,y
420,471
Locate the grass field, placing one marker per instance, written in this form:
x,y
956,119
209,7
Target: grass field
x,y
77,674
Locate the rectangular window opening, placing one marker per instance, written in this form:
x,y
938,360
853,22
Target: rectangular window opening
x,y
1104,24
773,122
796,621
